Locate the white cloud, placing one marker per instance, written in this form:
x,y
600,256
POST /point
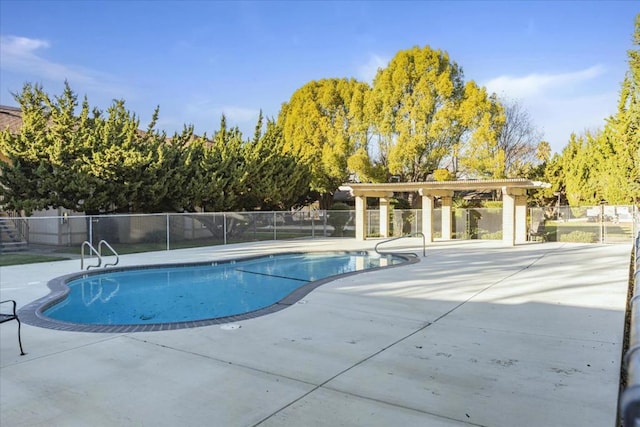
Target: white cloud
x,y
21,46
367,71
559,117
559,103
23,55
537,84
239,115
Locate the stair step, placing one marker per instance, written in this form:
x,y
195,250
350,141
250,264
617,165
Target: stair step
x,y
13,246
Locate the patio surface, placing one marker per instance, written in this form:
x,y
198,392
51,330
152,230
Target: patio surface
x,y
476,334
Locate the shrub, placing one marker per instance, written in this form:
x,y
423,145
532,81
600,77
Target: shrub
x,y
402,217
578,237
493,204
461,235
401,204
338,218
491,236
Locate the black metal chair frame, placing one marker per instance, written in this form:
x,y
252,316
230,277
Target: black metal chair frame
x,y
7,317
540,231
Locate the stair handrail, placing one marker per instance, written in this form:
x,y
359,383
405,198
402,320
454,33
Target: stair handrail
x,y
113,251
419,233
92,250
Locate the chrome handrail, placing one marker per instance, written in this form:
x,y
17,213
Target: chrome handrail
x,y
424,244
97,253
91,250
113,251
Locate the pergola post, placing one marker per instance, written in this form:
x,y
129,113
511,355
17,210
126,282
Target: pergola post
x,y
361,212
521,219
447,215
384,216
427,213
427,216
508,218
514,216
361,217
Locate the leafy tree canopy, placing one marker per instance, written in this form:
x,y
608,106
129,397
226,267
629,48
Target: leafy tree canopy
x,y
423,111
100,162
323,124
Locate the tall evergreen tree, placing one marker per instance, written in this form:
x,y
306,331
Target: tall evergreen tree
x,y
622,133
605,166
25,172
277,180
85,162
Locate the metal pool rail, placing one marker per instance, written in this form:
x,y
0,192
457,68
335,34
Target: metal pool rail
x,y
630,398
97,253
424,244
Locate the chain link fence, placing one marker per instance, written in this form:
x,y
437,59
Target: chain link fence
x,y
587,224
165,231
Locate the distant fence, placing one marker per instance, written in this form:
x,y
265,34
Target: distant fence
x,y
468,223
146,232
588,224
630,397
164,231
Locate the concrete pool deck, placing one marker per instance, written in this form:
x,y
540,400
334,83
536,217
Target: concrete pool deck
x,y
476,334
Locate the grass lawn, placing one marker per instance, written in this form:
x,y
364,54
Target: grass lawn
x,y
17,259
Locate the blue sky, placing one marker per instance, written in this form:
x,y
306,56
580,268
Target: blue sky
x,y
563,61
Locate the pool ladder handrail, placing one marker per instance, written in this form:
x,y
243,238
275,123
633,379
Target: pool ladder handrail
x,y
424,242
97,253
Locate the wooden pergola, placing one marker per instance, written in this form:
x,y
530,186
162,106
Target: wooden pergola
x,y
514,204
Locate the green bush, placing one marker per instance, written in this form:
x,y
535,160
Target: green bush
x,y
338,218
401,217
491,236
578,237
401,204
460,235
579,211
493,204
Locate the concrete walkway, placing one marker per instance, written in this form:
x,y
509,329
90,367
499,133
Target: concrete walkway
x,y
476,334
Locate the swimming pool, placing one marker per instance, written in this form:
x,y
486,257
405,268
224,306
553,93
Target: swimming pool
x,y
130,299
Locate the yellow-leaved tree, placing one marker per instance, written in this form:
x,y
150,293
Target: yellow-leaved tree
x,y
423,113
323,125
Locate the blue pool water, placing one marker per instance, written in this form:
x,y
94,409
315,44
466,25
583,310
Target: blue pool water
x,y
197,292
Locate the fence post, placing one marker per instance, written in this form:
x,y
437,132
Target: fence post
x,y
324,223
275,225
224,227
91,230
168,247
601,222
